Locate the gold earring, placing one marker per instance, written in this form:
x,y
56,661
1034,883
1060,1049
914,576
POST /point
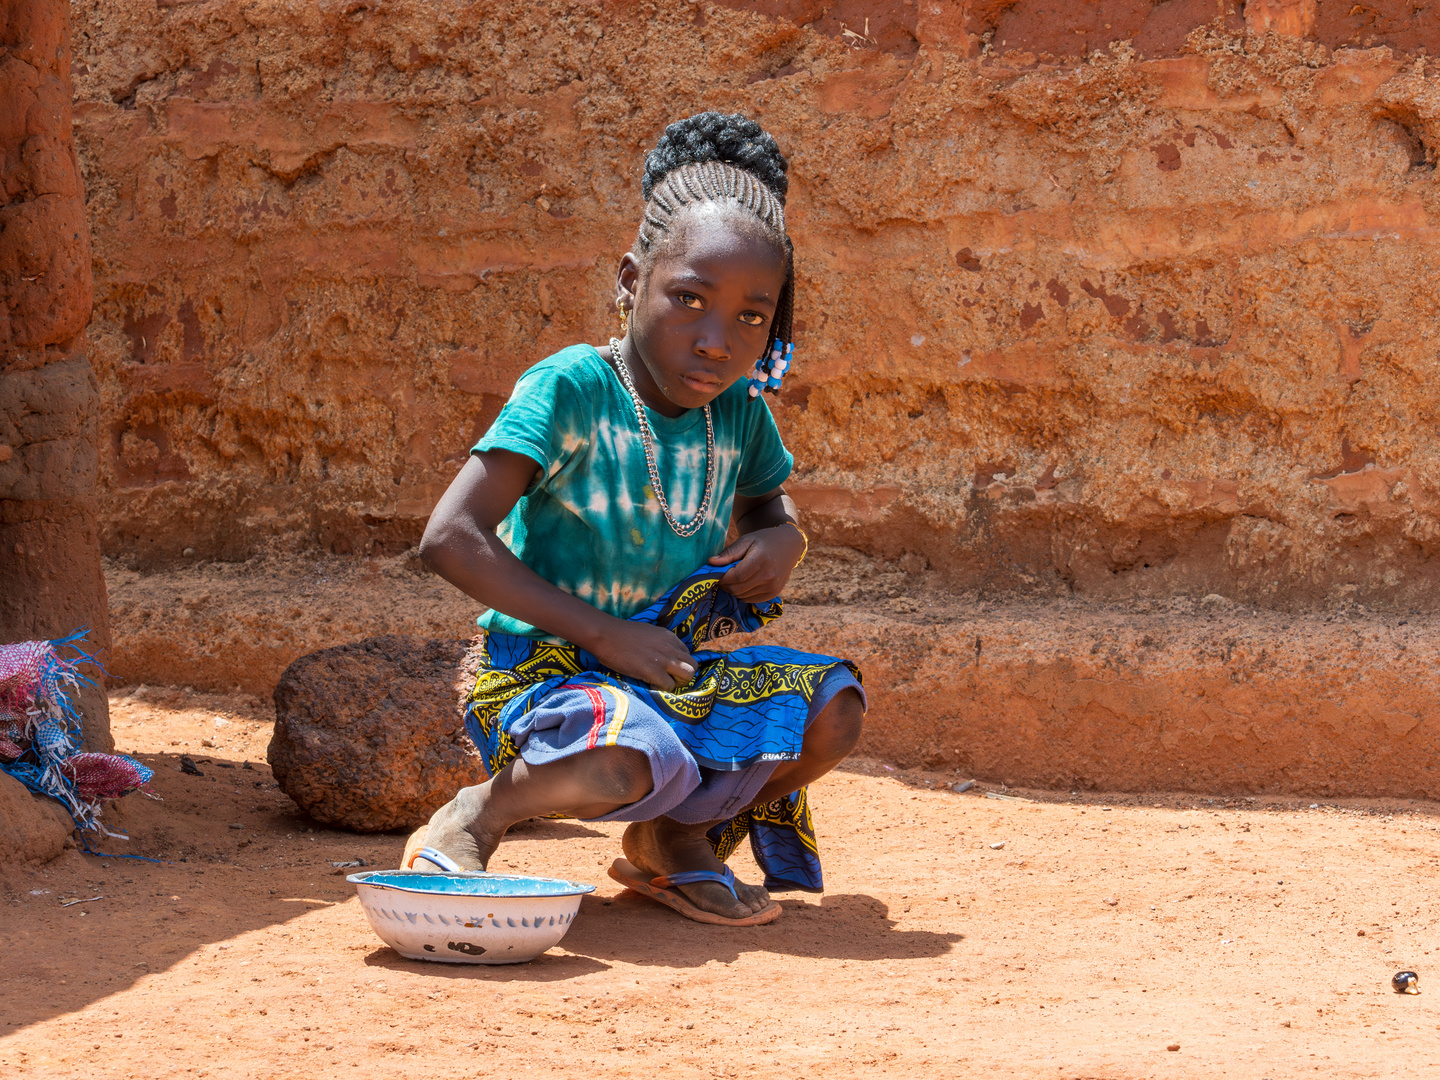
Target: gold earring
x,y
624,317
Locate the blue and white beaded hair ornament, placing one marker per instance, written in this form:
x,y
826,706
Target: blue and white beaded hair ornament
x,y
770,370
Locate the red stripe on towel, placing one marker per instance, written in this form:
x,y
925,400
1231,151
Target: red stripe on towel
x,y
597,706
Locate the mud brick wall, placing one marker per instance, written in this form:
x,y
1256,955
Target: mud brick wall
x,y
50,405
1113,299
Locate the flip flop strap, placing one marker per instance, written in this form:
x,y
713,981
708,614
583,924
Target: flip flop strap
x,y
439,858
725,877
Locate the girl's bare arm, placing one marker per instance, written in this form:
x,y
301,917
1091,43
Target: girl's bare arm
x,y
461,546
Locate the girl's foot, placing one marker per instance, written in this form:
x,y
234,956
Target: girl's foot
x,y
463,828
468,828
663,846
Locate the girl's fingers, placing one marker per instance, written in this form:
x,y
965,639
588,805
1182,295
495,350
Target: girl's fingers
x,y
747,568
755,578
681,665
756,592
761,586
747,575
678,672
734,553
737,581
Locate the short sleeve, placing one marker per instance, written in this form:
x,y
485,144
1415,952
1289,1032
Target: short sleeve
x,y
544,419
764,461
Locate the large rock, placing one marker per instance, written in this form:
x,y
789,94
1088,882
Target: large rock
x,y
369,736
32,830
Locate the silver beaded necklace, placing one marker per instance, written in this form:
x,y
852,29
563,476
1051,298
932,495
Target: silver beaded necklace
x,y
647,439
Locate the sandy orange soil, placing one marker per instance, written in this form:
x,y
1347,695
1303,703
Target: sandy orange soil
x,y
1257,937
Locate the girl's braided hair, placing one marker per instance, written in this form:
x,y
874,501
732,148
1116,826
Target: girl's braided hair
x,y
720,157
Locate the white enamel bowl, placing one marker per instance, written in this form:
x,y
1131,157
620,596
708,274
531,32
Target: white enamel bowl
x,y
465,917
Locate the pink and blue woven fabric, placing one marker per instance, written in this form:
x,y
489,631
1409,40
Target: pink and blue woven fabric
x,y
40,731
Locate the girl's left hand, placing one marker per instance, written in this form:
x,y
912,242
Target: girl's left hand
x,y
760,563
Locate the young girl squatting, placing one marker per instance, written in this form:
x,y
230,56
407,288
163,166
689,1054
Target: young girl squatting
x,y
609,477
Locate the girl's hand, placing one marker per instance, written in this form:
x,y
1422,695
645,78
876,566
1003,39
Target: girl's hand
x,y
760,563
646,652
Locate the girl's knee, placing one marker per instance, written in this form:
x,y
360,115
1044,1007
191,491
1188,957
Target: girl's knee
x,y
618,774
834,733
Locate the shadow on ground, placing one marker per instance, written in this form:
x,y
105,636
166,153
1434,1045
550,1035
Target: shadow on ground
x,y
233,855
633,930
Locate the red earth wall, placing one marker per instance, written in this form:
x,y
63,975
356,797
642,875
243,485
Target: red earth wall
x,y
1114,299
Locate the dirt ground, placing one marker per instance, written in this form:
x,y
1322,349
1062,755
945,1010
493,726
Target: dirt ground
x,y
1259,937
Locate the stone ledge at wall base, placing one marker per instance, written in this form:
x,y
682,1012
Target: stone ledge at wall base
x,y
237,626
368,736
1215,700
33,830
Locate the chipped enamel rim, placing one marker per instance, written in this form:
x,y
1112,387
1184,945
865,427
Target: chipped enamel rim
x,y
477,884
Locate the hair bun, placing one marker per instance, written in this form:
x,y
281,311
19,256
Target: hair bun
x,y
711,136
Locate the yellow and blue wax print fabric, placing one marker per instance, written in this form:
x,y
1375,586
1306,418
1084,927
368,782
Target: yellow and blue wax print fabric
x,y
711,743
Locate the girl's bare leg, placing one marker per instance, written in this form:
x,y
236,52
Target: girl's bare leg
x,y
665,846
468,828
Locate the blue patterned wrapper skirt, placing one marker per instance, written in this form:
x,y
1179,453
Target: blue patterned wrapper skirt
x,y
712,744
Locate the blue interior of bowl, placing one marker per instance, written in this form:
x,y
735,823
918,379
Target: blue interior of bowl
x,y
470,884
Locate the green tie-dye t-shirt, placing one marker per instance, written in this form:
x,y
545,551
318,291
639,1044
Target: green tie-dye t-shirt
x,y
589,522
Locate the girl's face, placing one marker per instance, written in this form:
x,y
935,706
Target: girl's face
x,y
700,318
